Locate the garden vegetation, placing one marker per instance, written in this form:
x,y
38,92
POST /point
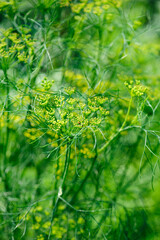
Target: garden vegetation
x,y
79,119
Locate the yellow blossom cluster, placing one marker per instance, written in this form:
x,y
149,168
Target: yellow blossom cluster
x,y
77,80
39,218
87,152
97,7
15,120
15,46
80,83
136,89
65,3
68,113
32,134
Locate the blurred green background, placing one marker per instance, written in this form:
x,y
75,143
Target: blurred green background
x,y
96,177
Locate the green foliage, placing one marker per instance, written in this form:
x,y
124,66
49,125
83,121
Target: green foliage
x,y
79,120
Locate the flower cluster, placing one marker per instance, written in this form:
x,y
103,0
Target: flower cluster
x,y
87,152
15,121
97,7
39,219
136,89
15,46
66,113
77,80
32,134
65,3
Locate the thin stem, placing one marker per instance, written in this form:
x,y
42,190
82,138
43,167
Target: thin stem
x,y
60,190
5,159
109,141
7,122
99,44
128,112
57,168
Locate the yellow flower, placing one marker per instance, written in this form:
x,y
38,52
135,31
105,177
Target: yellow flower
x,y
40,237
46,225
36,226
38,218
38,208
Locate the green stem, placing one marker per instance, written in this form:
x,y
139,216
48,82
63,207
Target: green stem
x,y
99,43
68,152
5,159
57,168
60,190
128,112
109,142
65,65
7,122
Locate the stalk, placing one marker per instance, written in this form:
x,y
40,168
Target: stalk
x,y
60,190
128,112
57,168
5,163
5,159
